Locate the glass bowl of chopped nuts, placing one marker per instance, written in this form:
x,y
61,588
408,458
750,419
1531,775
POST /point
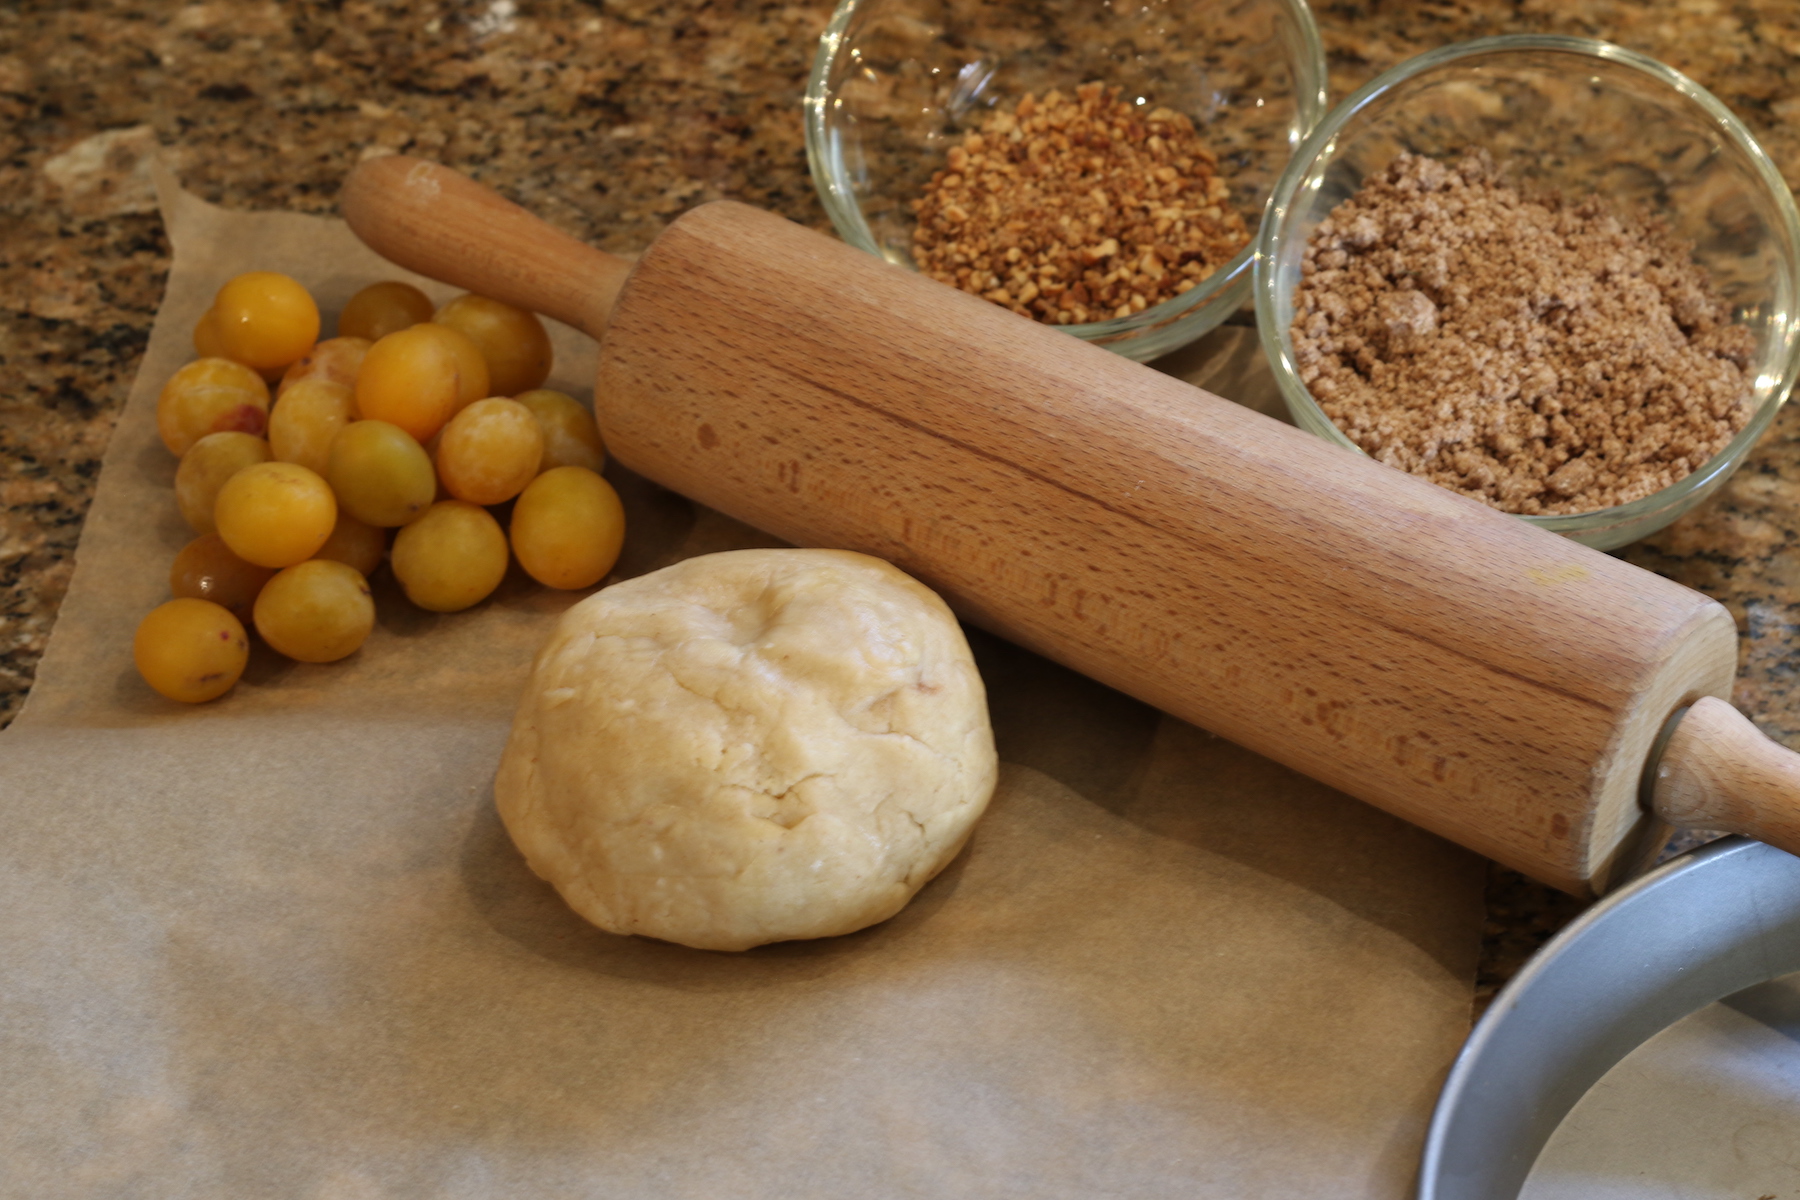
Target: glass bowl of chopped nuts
x,y
1098,167
1546,272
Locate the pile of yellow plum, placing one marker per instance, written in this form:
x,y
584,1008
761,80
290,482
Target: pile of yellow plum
x,y
410,420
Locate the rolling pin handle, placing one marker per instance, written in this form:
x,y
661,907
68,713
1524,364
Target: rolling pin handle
x,y
1718,771
430,219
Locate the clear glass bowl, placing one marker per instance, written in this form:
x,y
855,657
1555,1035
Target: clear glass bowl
x,y
897,82
1581,116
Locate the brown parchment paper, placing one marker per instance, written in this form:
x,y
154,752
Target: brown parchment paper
x,y
280,946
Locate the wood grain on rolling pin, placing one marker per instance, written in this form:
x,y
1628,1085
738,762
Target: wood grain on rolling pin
x,y
1489,681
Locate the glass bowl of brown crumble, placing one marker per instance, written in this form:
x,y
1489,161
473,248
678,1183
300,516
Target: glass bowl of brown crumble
x,y
1095,166
1548,273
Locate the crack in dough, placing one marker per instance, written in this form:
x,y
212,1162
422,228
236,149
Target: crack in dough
x,y
749,747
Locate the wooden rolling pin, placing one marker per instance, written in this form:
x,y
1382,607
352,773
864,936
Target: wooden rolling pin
x,y
1497,684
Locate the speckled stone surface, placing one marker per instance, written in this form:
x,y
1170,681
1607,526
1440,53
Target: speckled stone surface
x,y
609,120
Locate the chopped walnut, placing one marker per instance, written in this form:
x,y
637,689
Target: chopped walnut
x,y
1071,210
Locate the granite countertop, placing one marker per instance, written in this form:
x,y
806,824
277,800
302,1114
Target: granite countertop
x,y
609,121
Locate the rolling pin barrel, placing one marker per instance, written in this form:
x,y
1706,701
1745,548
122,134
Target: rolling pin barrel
x,y
1487,680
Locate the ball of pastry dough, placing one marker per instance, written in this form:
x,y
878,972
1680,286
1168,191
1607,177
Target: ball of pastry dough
x,y
749,747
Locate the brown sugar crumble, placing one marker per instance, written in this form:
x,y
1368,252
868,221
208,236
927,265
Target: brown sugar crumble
x,y
1540,355
1071,210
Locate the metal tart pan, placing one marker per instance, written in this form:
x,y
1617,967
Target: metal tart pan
x,y
1699,928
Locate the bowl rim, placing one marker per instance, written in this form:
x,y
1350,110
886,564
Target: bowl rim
x,y
1275,341
846,215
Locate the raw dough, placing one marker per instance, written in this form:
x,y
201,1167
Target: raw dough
x,y
749,747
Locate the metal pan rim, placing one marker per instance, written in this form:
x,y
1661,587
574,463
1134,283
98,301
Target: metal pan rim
x,y
1697,929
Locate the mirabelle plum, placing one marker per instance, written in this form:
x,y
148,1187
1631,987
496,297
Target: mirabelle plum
x,y
206,467
355,544
511,340
317,611
380,474
568,527
419,378
265,320
571,439
206,569
207,343
190,650
211,395
305,419
489,451
337,359
275,514
383,308
450,558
